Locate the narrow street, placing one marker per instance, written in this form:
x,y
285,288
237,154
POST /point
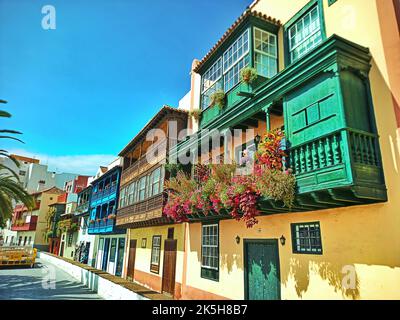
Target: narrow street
x,y
44,282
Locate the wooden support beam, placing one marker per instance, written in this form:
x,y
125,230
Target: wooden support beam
x,y
341,195
307,201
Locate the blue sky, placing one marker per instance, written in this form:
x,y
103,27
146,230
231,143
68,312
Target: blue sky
x,y
81,92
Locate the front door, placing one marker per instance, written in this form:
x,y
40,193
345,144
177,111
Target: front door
x,y
168,279
262,274
131,260
105,254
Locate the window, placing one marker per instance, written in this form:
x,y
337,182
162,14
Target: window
x,y
131,193
70,239
144,243
142,188
305,34
22,173
155,254
156,182
265,53
331,2
122,198
170,233
210,252
113,249
306,238
234,59
211,82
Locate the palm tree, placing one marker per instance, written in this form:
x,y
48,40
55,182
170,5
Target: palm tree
x,y
10,189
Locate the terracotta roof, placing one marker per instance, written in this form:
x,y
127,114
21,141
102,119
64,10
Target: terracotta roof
x,y
233,27
151,124
55,189
103,169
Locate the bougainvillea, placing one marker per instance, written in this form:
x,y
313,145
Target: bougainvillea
x,y
219,188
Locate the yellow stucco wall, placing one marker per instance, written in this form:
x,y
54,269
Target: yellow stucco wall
x,y
46,199
143,255
367,237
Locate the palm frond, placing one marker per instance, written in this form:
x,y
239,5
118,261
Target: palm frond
x,y
10,131
12,138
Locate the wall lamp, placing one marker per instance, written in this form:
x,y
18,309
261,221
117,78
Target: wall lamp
x,y
237,239
282,240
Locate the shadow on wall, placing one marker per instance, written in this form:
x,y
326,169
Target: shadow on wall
x,y
300,270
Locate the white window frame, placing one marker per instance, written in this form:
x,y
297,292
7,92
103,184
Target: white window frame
x,y
238,60
211,226
219,60
262,52
308,13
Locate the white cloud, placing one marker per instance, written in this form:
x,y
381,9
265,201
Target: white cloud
x,y
79,164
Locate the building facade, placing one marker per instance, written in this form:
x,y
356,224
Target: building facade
x,y
85,242
31,225
334,90
155,244
104,198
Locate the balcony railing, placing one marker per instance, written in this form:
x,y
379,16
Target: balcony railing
x,y
146,209
101,226
82,208
23,225
329,126
104,193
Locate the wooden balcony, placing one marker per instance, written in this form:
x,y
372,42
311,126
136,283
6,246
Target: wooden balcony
x,y
330,127
27,223
144,213
143,164
101,227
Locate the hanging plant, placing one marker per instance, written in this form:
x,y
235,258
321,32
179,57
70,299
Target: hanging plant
x,y
173,168
195,113
248,75
218,99
74,227
216,188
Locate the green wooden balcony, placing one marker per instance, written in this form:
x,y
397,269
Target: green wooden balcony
x,y
330,127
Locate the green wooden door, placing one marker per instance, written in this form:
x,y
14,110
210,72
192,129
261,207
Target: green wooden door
x,y
262,278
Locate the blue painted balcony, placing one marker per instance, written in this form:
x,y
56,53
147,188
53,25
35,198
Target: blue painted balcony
x,y
101,226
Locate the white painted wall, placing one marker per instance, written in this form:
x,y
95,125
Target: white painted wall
x,y
104,288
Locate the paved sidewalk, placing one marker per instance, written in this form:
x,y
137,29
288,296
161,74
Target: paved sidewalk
x,y
21,283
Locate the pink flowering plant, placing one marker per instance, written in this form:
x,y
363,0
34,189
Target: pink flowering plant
x,y
217,188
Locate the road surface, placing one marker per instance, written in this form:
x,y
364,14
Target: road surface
x,y
44,282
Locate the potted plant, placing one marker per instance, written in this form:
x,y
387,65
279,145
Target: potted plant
x,y
195,113
218,99
112,216
248,75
